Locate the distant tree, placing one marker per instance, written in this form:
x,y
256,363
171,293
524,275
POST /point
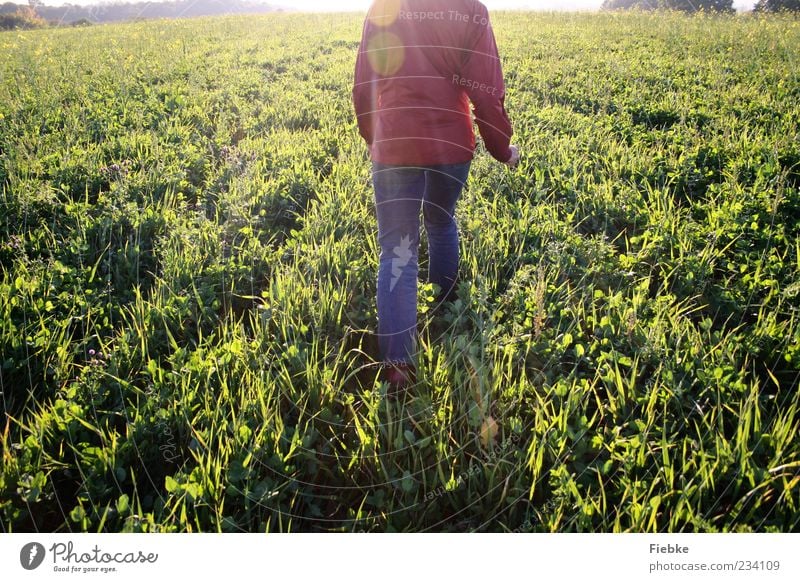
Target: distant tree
x,y
630,5
24,17
777,6
707,5
117,10
682,5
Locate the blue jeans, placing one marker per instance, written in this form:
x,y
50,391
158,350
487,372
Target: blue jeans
x,y
400,191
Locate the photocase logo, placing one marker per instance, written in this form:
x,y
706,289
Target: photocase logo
x,y
403,255
32,555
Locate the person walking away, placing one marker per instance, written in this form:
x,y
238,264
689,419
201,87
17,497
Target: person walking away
x,y
419,66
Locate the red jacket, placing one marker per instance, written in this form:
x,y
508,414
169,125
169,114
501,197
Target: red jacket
x,y
419,65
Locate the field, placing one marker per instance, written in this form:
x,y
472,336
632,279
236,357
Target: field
x,y
188,265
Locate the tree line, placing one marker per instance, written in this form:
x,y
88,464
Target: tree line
x,y
35,13
698,5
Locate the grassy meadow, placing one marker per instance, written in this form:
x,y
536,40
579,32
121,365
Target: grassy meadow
x,y
187,281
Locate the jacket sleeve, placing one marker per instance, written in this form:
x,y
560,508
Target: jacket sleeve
x,y
364,89
482,77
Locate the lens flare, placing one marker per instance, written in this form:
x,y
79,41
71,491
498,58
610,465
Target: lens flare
x,y
383,13
385,52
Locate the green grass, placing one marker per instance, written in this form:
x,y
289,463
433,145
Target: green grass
x,y
628,312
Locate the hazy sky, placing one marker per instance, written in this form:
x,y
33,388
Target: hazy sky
x,y
363,4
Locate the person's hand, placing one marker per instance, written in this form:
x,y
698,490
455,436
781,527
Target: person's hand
x,y
514,159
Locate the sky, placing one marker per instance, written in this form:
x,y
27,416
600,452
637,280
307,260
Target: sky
x,y
364,4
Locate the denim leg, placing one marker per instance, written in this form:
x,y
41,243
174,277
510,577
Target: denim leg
x,y
398,196
443,186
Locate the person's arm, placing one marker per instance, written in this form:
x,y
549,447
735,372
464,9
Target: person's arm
x,y
483,79
364,89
